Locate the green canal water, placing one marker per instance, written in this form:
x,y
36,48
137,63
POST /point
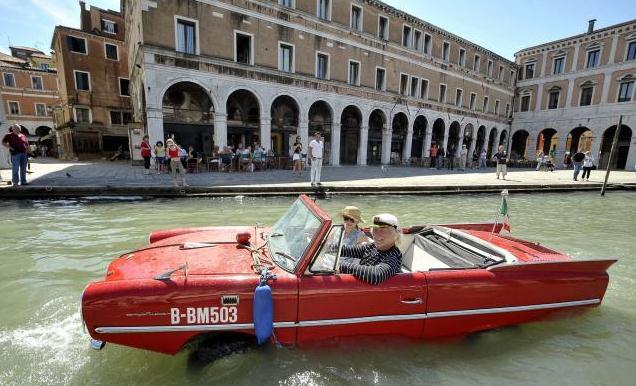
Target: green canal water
x,y
52,249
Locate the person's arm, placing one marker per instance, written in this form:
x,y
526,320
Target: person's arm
x,y
311,151
374,274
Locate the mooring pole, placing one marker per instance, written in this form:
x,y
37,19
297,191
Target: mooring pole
x,y
612,151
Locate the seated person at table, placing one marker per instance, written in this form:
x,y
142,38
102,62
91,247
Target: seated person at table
x,y
226,158
259,155
377,261
245,155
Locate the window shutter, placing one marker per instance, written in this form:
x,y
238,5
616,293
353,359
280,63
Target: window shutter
x,y
116,27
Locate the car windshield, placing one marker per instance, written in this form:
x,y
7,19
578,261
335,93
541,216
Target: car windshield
x,y
292,234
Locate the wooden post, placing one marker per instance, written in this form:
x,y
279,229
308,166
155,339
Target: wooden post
x,y
612,151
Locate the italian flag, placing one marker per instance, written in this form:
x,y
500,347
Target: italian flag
x,y
503,210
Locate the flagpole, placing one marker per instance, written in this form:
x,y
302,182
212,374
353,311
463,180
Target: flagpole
x,y
504,194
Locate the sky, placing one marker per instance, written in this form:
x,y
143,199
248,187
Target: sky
x,y
489,23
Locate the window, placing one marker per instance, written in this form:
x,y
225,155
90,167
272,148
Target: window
x,y
427,43
322,66
77,45
445,51
553,99
82,81
40,109
109,26
631,51
124,85
490,68
36,83
324,9
530,71
417,40
111,51
415,82
187,37
14,108
383,28
473,98
484,107
82,115
286,57
459,93
525,103
406,36
592,58
380,79
354,73
462,57
424,89
520,75
356,18
477,63
625,91
558,65
512,77
507,109
9,79
442,93
586,95
120,117
286,3
44,66
496,107
243,50
404,84
500,74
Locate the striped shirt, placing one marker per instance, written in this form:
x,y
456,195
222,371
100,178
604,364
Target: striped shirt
x,y
369,264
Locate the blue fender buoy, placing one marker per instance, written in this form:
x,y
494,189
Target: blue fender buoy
x,y
263,313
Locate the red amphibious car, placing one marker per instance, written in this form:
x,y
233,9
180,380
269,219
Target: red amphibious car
x,y
455,280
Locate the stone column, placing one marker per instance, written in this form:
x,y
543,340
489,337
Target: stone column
x,y
428,138
607,80
568,98
220,129
406,153
446,133
266,130
335,144
575,59
364,143
539,97
612,57
560,153
303,131
471,149
154,123
386,145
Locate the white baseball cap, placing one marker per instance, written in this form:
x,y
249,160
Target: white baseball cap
x,y
385,219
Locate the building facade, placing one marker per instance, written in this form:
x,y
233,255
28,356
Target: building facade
x,y
29,92
94,115
571,92
379,84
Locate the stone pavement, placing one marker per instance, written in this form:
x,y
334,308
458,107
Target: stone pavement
x,y
120,177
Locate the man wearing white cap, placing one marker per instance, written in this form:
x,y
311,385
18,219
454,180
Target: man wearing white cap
x,y
378,261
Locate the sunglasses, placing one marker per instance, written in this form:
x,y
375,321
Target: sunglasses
x,y
348,219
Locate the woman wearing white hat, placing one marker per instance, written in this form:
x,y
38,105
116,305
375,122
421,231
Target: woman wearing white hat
x,y
377,261
351,217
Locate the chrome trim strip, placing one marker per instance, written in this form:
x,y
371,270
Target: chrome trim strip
x,y
337,322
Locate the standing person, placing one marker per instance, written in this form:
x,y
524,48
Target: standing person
x,y
316,148
463,153
482,158
160,156
475,163
540,160
500,158
588,165
174,153
353,235
578,159
433,155
146,153
552,154
18,146
450,156
297,150
440,158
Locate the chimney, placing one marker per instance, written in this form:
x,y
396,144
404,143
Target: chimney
x,y
84,17
590,26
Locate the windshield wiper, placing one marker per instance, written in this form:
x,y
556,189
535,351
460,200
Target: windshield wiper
x,y
285,255
276,235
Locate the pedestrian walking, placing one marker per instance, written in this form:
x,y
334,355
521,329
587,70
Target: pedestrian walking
x,y
297,150
433,156
552,155
18,146
588,166
146,153
501,158
316,150
463,153
578,159
482,159
160,157
475,159
450,157
440,158
540,157
174,153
